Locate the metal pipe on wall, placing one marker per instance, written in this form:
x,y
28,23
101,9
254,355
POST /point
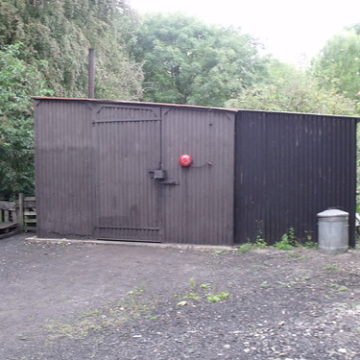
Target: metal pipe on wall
x,y
91,74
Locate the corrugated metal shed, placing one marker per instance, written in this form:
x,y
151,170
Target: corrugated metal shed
x,y
254,173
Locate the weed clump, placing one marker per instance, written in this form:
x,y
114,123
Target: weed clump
x,y
243,248
216,297
288,240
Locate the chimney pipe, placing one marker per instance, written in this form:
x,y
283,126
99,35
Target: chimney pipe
x,y
91,74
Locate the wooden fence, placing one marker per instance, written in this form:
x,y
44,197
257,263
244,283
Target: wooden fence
x,y
17,216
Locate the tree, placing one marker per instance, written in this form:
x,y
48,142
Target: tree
x,y
186,61
338,64
61,31
18,81
289,89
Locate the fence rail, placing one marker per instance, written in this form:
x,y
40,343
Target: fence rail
x,y
8,218
17,215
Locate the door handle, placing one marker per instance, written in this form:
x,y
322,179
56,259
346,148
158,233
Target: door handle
x,y
158,174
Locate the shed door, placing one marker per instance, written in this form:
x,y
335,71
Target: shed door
x,y
127,146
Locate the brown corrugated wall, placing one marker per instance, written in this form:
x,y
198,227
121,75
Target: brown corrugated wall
x,y
64,169
199,209
92,172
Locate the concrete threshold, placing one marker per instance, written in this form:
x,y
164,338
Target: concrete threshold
x,y
134,243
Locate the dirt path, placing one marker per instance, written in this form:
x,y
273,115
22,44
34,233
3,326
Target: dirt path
x,y
83,301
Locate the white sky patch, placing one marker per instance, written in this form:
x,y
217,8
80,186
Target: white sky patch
x,y
292,30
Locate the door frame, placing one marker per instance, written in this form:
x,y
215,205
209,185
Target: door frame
x,y
95,111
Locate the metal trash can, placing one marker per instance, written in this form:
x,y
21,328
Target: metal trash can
x,y
333,226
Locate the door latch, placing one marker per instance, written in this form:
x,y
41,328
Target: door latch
x,y
158,174
161,175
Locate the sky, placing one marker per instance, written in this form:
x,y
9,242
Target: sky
x,y
292,30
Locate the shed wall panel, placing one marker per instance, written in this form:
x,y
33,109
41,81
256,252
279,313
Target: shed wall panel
x,y
289,167
199,210
64,169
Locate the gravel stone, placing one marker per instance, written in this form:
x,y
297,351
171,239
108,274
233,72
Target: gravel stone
x,y
83,301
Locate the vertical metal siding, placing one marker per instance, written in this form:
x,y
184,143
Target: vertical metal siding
x,y
127,146
199,209
64,169
288,168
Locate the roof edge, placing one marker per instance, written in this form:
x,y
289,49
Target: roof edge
x,y
300,113
131,102
188,106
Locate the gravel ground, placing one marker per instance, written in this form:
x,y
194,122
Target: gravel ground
x,y
83,301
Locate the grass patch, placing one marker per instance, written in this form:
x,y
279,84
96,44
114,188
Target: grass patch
x,y
264,284
205,286
113,315
330,267
338,287
197,293
218,251
283,244
310,244
153,317
287,283
193,296
287,241
216,297
260,243
296,256
243,248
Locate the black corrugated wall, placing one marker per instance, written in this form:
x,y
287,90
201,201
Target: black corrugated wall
x,y
289,167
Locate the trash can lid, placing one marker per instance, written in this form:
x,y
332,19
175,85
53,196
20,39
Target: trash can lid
x,y
332,213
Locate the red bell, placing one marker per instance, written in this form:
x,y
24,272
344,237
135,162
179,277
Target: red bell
x,y
185,160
